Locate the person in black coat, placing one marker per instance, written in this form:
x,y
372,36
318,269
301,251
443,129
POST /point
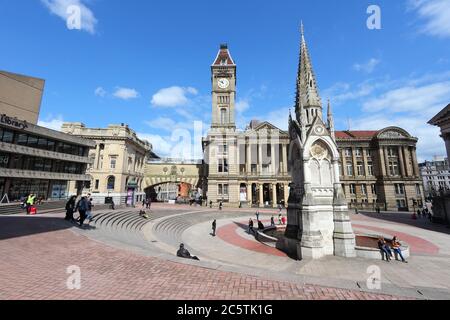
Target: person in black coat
x,y
70,208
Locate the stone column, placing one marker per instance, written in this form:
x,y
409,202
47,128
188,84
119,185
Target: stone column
x,y
344,163
286,194
238,156
365,163
249,157
273,159
285,160
414,161
386,161
402,161
249,194
355,163
274,196
261,195
259,157
381,161
406,160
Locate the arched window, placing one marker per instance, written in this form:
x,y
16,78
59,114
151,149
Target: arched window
x,y
223,116
111,183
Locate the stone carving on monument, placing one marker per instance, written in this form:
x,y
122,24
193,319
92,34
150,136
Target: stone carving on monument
x,y
318,216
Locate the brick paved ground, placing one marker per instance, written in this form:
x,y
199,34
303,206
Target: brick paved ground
x,y
36,252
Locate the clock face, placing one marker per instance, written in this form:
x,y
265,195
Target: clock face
x,y
223,83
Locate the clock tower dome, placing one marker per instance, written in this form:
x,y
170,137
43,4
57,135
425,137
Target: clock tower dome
x,y
223,77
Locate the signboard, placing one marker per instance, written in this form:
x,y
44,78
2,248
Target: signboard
x,y
13,122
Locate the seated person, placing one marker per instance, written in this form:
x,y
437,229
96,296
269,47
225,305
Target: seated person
x,y
396,246
184,253
385,249
260,225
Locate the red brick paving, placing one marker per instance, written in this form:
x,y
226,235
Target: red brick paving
x,y
228,234
34,264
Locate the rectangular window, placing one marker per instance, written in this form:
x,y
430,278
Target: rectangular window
x,y
364,189
8,136
353,189
223,166
32,141
22,139
222,190
370,168
113,163
349,169
348,152
393,168
418,191
399,189
360,168
359,152
374,189
97,182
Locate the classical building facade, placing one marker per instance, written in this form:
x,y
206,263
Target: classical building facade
x,y
380,169
242,168
436,176
118,162
250,167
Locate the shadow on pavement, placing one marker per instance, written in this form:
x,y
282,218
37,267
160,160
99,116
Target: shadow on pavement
x,y
15,227
404,218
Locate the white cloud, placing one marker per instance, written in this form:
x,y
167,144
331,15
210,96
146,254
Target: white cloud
x,y
428,98
173,96
242,105
59,8
436,14
367,67
126,93
168,124
342,92
100,92
54,124
181,144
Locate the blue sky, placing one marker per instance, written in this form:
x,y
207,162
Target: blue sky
x,y
147,63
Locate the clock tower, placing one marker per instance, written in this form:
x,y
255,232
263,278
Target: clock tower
x,y
223,77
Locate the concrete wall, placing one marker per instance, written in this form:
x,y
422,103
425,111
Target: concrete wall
x,y
20,96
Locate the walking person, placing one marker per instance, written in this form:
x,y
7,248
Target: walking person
x,y
272,222
220,205
214,226
257,215
396,246
70,208
279,219
82,208
89,210
149,203
250,226
283,220
210,204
